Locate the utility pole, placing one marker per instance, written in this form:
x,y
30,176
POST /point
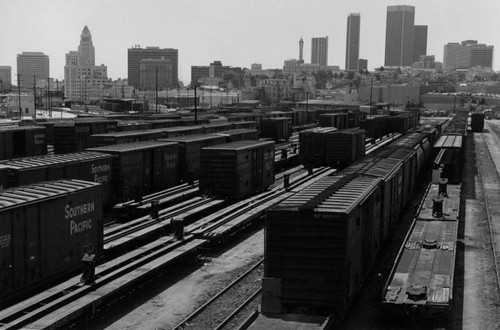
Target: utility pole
x,y
195,108
34,94
19,94
48,91
156,89
371,90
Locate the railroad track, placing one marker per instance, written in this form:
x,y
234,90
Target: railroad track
x,y
163,198
490,181
219,310
122,237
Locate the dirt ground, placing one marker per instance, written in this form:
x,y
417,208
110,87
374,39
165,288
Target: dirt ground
x,y
163,305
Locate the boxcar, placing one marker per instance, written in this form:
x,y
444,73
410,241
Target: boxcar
x,y
142,167
74,136
477,122
237,170
88,166
375,126
22,141
190,152
338,215
278,129
313,144
337,120
240,134
344,147
45,229
99,140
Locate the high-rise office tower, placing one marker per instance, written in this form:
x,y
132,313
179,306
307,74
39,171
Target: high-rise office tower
x,y
136,54
399,35
301,50
419,42
83,80
471,54
352,42
450,55
29,65
319,51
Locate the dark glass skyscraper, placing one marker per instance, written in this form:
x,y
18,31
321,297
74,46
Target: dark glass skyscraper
x,y
419,42
352,42
399,36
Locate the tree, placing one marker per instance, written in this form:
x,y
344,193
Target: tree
x,y
381,68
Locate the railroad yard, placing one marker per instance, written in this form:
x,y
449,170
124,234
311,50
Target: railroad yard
x,y
194,224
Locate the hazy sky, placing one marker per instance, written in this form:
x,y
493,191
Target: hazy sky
x,y
237,32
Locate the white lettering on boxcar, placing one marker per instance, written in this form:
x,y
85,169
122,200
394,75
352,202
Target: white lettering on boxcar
x,y
78,227
4,241
70,212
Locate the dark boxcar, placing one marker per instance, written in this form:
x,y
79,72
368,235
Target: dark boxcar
x,y
344,147
278,129
237,170
99,140
375,126
477,122
398,124
313,145
88,166
322,241
215,127
190,152
337,120
141,168
74,136
134,125
354,117
409,159
234,135
22,141
181,131
391,173
45,229
247,124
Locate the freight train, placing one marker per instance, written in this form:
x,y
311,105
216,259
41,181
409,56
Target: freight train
x,y
321,243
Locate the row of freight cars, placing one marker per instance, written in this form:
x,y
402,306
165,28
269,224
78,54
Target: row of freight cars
x,y
126,171
341,146
81,133
76,135
321,243
47,227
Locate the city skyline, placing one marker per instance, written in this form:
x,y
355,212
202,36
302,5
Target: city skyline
x,y
238,33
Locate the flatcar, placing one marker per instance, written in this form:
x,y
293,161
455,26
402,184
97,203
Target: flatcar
x,y
422,277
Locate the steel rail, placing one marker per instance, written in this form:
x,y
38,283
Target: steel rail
x,y
218,295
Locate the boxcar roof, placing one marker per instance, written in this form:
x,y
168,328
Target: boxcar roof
x,y
13,197
132,146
